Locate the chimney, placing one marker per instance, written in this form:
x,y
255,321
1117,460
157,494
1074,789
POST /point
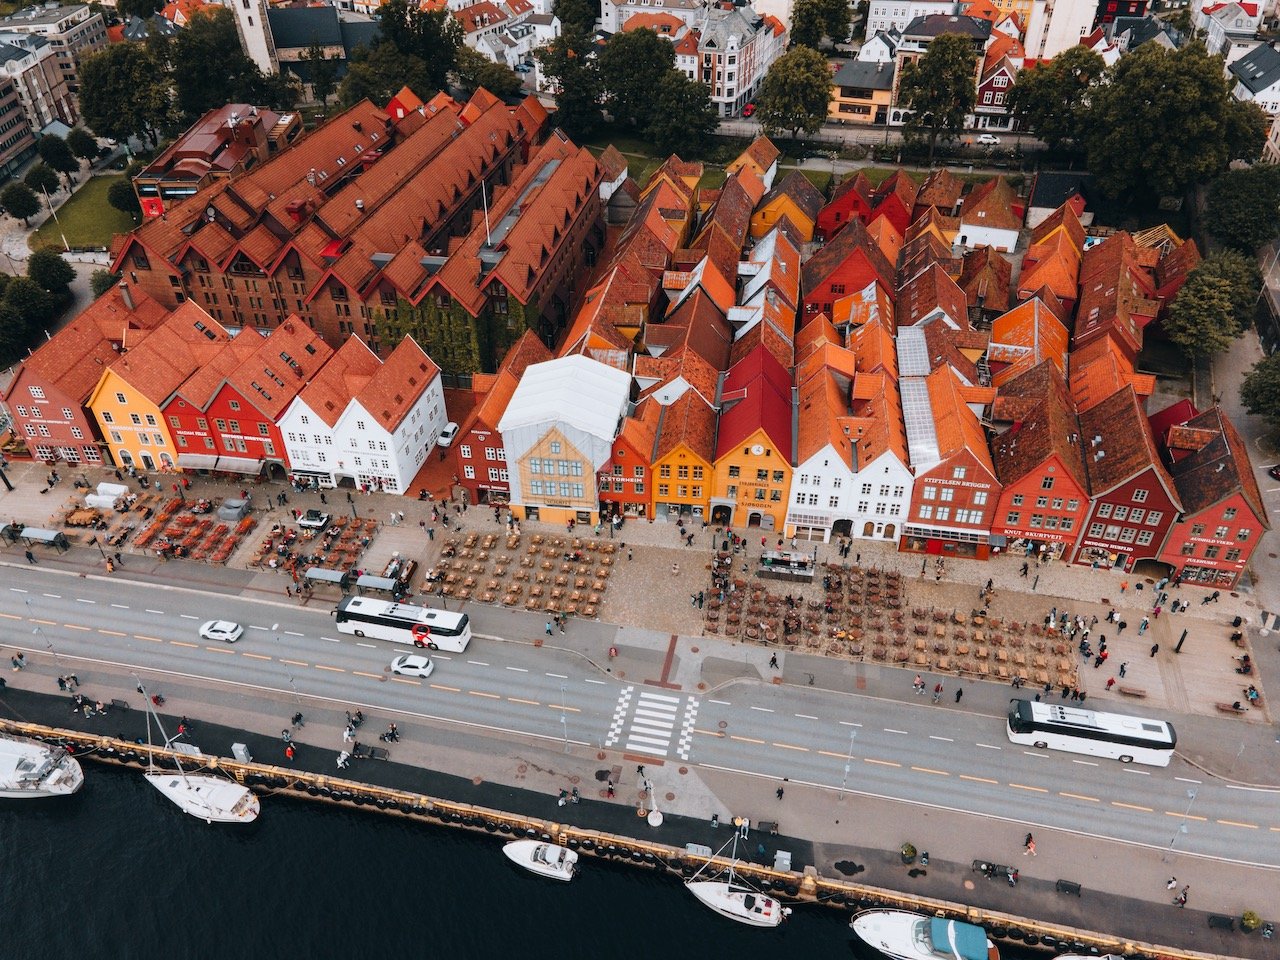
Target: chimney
x,y
311,176
360,205
126,295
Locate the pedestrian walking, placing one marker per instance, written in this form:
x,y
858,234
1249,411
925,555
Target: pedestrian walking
x,y
918,684
348,734
1120,627
31,557
562,618
1142,626
431,533
287,591
344,760
399,517
1173,882
608,790
1155,648
289,752
780,792
1111,682
1123,667
1031,846
773,661
937,693
628,553
119,559
297,720
286,736
323,499
548,628
959,694
1181,898
675,569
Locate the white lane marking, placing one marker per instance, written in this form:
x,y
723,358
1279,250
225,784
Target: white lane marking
x,y
188,616
120,606
518,669
763,709
944,739
477,663
331,639
723,703
987,746
82,600
1087,763
1037,754
254,626
52,596
17,590
437,655
804,716
558,676
1187,780
161,612
891,730
589,680
1143,773
294,633
848,723
663,742
1232,786
370,646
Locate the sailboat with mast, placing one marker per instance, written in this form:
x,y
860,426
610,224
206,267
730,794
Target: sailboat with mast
x,y
732,897
212,798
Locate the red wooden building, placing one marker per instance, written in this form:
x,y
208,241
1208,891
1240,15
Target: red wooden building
x,y
845,265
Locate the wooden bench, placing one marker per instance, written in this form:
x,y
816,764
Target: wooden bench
x,y
118,704
1135,692
1230,708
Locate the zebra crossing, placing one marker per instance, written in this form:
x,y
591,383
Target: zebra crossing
x,y
652,723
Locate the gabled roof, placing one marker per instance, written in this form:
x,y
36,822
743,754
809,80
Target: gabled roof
x,y
849,241
937,24
1174,266
187,340
613,163
525,352
1116,441
756,395
1052,190
697,323
1025,336
822,406
870,304
1099,369
901,186
1055,264
1115,293
762,153
1047,430
1258,69
1217,469
340,380
397,385
930,293
991,205
932,220
1066,219
941,189
773,329
800,190
689,422
774,262
280,366
71,361
816,332
955,426
858,183
886,236
985,279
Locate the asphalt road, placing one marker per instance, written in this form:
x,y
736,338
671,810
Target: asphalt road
x,y
915,752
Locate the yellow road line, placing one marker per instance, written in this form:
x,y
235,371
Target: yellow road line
x,y
1237,823
481,693
883,763
321,666
112,633
828,753
76,626
1023,786
1078,796
710,733
228,651
744,739
183,643
257,656
359,673
47,623
11,616
965,776
138,636
788,746
415,683
438,686
294,663
940,773
1131,806
1185,816
532,703
557,706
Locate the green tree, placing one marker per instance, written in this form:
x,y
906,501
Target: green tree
x,y
1202,318
209,67
1166,120
837,17
138,8
1244,207
684,118
796,93
102,280
324,72
1244,278
568,64
125,92
807,24
577,16
19,201
377,74
47,268
939,89
432,36
121,196
82,144
54,151
1260,390
26,307
631,65
1053,98
475,70
42,177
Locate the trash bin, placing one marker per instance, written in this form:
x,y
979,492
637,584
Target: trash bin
x,y
241,753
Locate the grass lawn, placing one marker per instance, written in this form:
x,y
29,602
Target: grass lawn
x,y
87,220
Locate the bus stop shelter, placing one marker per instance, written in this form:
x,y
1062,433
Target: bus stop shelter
x,y
52,538
323,575
385,584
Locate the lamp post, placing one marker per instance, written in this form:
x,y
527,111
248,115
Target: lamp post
x,y
848,761
66,246
564,720
98,543
1182,827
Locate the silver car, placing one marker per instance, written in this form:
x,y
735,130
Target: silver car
x,y
223,630
413,665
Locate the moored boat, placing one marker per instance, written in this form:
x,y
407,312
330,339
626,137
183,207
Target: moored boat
x,y
733,898
902,935
544,859
29,768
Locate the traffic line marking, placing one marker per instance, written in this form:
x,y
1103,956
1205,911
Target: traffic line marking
x,y
183,643
883,763
257,656
138,636
788,746
481,693
293,633
1186,816
1131,806
10,616
361,673
943,739
322,666
1023,786
532,703
518,669
415,683
112,633
47,623
1237,823
227,650
965,776
83,600
734,736
294,663
828,753
763,709
76,626
561,706
1078,796
439,686
161,612
940,773
804,716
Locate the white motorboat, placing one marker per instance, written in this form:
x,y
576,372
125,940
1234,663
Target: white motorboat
x,y
544,859
733,898
29,768
902,935
212,798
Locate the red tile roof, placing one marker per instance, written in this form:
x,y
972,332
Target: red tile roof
x,y
690,422
756,396
340,380
1217,469
187,340
1048,430
931,294
985,279
1116,441
991,205
397,385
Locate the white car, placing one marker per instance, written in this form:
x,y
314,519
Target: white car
x,y
413,665
447,434
988,140
223,630
314,520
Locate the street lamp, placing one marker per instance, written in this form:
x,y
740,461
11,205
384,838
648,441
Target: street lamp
x,y
65,245
848,761
1182,827
564,720
98,543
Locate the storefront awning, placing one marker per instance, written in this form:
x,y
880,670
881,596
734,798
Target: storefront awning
x,y
239,465
197,461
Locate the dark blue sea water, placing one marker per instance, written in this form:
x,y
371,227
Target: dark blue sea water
x,y
117,872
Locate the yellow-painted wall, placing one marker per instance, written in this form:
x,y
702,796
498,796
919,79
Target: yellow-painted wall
x,y
750,493
115,405
556,504
682,483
